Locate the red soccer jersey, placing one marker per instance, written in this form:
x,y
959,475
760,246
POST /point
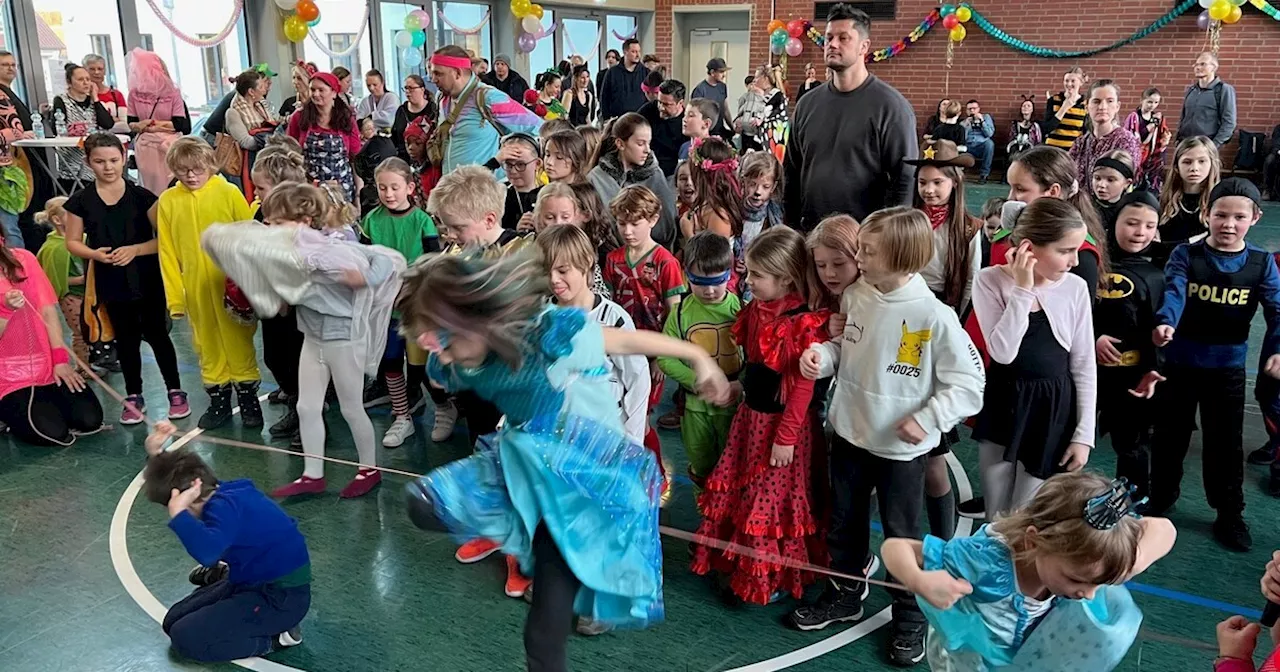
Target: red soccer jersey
x,y
643,286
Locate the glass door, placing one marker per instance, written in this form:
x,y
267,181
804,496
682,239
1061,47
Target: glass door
x,y
391,20
581,36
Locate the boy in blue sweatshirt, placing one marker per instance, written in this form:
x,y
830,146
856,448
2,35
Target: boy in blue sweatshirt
x,y
254,576
1212,290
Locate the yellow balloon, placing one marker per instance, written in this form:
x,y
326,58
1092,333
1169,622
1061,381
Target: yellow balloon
x,y
964,14
295,29
1219,10
1234,15
535,11
958,34
521,8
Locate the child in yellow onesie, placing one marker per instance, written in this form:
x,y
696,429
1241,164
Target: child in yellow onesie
x,y
196,287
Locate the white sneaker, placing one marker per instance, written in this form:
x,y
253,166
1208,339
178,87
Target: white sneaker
x,y
399,430
446,418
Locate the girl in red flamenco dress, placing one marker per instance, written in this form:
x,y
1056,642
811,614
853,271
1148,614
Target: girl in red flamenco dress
x,y
760,493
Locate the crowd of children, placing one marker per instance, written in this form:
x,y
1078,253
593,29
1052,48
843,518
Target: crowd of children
x,y
810,373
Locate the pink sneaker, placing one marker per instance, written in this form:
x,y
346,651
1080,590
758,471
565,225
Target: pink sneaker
x,y
134,408
178,406
302,486
365,480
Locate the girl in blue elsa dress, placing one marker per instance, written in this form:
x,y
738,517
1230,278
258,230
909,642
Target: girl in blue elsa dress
x,y
1041,587
559,486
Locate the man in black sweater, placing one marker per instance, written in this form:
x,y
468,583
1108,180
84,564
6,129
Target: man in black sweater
x,y
506,80
666,119
620,90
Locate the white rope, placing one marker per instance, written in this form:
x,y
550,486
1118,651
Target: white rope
x,y
355,44
474,30
595,48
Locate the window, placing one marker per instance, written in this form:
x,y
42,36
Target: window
x,y
543,56
146,42
67,31
8,43
393,66
215,71
621,24
332,42
466,16
579,36
102,46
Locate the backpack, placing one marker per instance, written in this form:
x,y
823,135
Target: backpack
x,y
1252,151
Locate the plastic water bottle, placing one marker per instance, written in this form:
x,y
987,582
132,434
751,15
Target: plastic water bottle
x,y
37,125
59,124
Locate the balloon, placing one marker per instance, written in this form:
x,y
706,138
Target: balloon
x,y
950,21
521,8
1238,3
423,18
778,40
1234,15
314,22
1219,10
412,23
1206,3
958,33
540,110
536,11
287,5
526,43
404,39
295,29
307,10
411,57
775,49
794,47
964,14
796,28
419,38
1202,21
774,25
947,10
530,96
531,24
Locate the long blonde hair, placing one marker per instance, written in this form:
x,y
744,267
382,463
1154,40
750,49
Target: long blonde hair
x,y
1171,194
781,252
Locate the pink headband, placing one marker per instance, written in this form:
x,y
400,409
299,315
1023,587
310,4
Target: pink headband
x,y
649,89
329,79
458,62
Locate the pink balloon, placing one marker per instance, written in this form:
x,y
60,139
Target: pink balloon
x,y
423,17
794,47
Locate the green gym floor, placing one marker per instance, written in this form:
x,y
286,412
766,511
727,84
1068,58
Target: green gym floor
x,y
87,567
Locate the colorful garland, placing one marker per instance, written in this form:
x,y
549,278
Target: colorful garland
x,y
1266,8
911,38
1045,52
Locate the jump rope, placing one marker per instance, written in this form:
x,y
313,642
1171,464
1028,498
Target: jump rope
x,y
1269,616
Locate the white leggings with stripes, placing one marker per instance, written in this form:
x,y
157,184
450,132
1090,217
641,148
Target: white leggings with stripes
x,y
343,362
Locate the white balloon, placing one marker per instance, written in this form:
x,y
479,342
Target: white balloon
x,y
531,25
404,39
1203,3
287,5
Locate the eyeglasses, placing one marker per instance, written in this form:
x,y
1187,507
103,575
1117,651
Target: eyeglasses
x,y
191,172
414,88
516,166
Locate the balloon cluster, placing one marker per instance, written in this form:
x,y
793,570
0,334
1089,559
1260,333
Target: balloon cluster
x,y
954,18
784,37
414,35
305,16
1226,11
530,15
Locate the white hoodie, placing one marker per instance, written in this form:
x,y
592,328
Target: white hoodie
x,y
902,354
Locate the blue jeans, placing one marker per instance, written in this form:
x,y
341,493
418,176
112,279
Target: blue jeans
x,y
983,151
9,227
224,621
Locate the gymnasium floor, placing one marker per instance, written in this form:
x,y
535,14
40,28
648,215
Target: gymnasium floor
x,y
86,572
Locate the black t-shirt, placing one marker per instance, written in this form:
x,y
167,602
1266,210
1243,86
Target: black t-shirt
x,y
124,223
517,204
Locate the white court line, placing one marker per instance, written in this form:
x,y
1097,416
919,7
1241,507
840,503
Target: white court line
x,y
147,601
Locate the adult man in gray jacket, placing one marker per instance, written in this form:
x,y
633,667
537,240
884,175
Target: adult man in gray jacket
x,y
1209,106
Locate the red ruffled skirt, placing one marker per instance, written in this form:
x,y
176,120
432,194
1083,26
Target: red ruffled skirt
x,y
767,509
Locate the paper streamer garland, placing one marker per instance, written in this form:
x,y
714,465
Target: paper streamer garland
x,y
1266,8
214,41
1045,52
901,45
474,30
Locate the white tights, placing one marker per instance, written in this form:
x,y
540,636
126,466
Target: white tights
x,y
318,362
1005,485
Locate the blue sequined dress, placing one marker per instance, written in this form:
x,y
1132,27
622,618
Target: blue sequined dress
x,y
563,460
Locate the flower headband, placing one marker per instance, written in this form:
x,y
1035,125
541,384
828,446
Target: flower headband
x,y
729,165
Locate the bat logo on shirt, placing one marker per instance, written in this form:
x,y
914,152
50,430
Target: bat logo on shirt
x,y
1118,287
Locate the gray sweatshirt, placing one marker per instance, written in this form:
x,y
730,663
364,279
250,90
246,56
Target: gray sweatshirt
x,y
846,151
1209,112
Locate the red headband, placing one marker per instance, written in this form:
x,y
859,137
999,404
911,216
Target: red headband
x,y
458,62
649,89
329,79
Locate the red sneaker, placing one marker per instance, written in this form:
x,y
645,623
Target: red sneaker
x,y
517,583
365,481
303,486
476,550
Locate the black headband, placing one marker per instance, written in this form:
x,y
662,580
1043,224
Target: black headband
x,y
1114,164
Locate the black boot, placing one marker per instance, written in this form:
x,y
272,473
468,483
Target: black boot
x,y
250,408
219,411
287,426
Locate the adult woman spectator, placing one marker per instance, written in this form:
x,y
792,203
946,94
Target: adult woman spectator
x,y
1065,116
344,85
326,129
42,398
110,97
250,122
1025,132
1105,134
811,81
380,104
931,124
301,76
579,100
157,115
417,104
83,115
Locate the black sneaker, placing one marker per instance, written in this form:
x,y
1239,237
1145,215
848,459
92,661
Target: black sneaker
x,y
906,644
250,407
376,394
1232,532
285,427
975,509
219,411
288,638
277,396
835,605
1263,455
207,576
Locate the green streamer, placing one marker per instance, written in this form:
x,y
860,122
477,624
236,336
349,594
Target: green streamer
x,y
1044,52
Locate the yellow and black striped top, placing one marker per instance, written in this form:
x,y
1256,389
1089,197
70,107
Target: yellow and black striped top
x,y
1072,125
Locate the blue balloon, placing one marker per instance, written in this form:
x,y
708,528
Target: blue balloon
x,y
411,57
419,37
947,10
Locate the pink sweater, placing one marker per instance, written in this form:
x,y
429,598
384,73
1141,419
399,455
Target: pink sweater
x,y
350,139
1003,310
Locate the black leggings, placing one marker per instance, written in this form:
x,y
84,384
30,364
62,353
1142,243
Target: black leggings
x,y
281,347
137,321
547,628
46,415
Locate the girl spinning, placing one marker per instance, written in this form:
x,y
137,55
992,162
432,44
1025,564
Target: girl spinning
x,y
561,487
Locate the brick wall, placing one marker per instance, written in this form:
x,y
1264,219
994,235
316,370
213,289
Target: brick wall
x,y
997,75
